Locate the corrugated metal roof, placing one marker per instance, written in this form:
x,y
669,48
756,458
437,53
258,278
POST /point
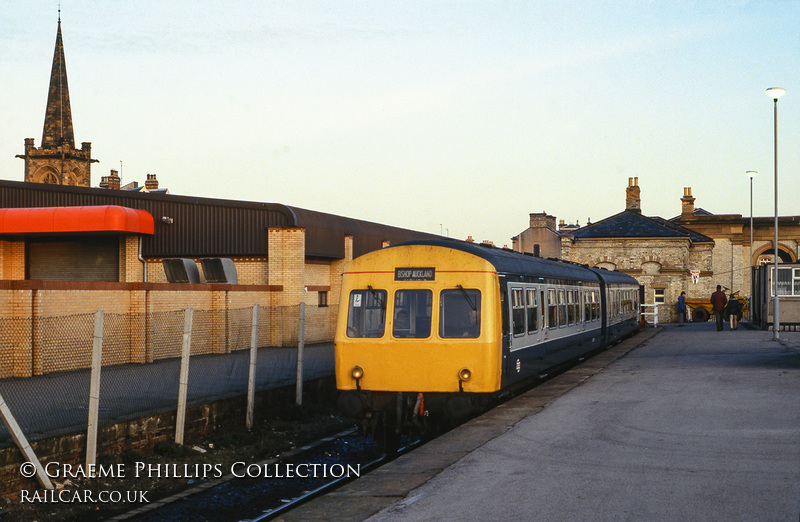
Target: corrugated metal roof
x,y
214,227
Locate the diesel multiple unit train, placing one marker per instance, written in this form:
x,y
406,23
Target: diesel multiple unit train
x,y
434,327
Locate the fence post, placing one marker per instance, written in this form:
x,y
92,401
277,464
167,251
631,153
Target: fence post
x,y
301,334
94,390
22,443
251,377
180,417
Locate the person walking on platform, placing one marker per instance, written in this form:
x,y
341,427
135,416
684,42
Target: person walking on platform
x,y
681,307
718,302
734,308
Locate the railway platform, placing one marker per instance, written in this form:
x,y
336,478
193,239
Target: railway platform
x,y
671,424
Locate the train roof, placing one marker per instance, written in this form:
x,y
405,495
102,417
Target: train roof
x,y
511,262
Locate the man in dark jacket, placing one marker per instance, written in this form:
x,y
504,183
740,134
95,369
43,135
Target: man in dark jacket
x,y
718,302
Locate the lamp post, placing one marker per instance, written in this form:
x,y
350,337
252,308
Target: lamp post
x,y
751,174
775,93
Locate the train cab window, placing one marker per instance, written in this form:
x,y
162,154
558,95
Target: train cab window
x,y
460,313
366,313
517,311
552,309
412,314
533,310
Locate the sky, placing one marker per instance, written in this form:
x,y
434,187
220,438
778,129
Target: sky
x,y
455,117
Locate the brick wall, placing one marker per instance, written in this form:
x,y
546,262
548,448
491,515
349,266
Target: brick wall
x,y
47,326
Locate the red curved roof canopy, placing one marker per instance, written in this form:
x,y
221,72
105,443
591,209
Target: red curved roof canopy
x,y
58,220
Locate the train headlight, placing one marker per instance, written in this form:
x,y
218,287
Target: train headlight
x,y
464,375
357,372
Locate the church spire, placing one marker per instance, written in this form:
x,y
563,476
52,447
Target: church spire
x,y
57,160
58,115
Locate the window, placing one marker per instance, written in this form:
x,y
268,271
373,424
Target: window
x,y
412,314
562,308
552,309
788,281
517,312
533,310
573,307
366,313
460,313
658,295
323,298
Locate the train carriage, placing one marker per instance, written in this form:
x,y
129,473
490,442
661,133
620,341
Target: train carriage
x,y
435,326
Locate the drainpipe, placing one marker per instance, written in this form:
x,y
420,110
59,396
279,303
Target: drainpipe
x,y
141,259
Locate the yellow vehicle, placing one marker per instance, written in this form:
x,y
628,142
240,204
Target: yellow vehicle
x,y
701,309
436,327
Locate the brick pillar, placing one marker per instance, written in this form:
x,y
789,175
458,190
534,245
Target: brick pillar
x,y
286,258
138,325
219,322
337,269
131,269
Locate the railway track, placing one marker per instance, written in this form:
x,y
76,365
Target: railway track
x,y
324,464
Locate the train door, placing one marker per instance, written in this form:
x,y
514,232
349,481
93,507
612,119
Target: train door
x,y
516,305
533,307
543,326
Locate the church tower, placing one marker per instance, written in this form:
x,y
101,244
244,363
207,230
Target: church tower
x,y
57,161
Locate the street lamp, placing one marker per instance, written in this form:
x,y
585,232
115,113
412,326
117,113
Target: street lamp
x,y
775,93
751,174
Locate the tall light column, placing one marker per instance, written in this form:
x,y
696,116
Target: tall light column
x,y
775,93
751,174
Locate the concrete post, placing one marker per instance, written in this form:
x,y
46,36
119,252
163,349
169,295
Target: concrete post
x,y
94,390
180,418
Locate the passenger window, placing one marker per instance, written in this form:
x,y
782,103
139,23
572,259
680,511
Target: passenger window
x,y
530,296
562,308
552,309
460,313
595,305
517,311
412,314
366,314
572,307
587,306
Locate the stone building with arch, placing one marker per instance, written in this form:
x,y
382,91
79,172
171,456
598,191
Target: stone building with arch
x,y
662,254
731,233
658,253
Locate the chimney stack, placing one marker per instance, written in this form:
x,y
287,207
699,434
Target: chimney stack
x,y
633,200
687,204
111,181
543,220
151,183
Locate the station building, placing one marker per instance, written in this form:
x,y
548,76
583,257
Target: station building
x,y
693,252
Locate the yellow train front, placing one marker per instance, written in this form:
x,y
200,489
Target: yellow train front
x,y
437,326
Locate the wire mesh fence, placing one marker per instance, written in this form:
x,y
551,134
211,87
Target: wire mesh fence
x,y
141,363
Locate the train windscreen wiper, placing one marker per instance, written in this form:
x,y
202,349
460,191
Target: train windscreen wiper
x,y
466,296
377,297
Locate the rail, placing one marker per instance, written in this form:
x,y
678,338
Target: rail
x,y
654,313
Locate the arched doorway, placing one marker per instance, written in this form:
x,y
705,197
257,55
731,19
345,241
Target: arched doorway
x,y
767,256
